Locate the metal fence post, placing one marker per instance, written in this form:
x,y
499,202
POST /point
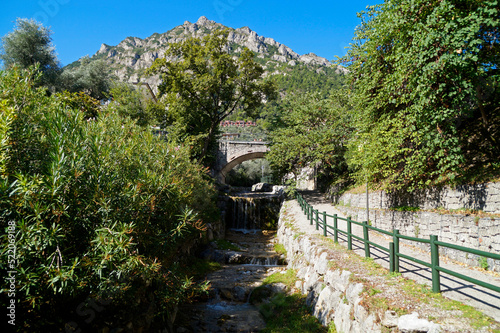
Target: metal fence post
x,y
349,233
395,239
366,238
317,220
391,257
436,280
335,229
324,224
311,212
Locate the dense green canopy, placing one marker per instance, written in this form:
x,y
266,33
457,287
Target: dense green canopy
x,y
312,132
28,45
426,77
203,84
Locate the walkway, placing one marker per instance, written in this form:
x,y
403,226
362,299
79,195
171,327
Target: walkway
x,y
482,299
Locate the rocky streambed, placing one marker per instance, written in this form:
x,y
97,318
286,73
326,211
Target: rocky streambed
x,y
228,307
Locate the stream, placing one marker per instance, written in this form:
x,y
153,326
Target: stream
x,y
228,307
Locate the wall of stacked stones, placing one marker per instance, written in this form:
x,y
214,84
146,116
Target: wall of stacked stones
x,y
331,293
460,229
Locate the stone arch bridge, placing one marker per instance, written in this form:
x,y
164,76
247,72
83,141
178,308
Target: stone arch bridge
x,y
232,153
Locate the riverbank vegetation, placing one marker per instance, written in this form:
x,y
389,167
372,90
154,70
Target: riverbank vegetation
x,y
427,109
419,111
102,210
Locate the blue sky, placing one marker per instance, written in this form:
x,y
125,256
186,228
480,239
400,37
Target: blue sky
x,y
79,27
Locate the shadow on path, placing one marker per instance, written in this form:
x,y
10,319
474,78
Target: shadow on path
x,y
483,299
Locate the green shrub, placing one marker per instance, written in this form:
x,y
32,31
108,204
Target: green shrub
x,y
100,207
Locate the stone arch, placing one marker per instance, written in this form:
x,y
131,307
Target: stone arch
x,y
238,160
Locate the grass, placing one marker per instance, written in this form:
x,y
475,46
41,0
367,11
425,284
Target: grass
x,y
377,299
356,189
298,234
344,204
280,249
372,267
424,294
290,314
412,290
406,209
377,304
420,292
477,213
288,278
331,243
287,313
374,299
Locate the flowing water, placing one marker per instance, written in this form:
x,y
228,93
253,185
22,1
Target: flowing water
x,y
253,211
228,307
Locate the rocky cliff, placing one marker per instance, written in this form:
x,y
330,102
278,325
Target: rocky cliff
x,y
130,58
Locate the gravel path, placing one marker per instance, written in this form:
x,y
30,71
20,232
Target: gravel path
x,y
485,300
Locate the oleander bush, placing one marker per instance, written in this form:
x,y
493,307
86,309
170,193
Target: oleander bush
x,y
102,210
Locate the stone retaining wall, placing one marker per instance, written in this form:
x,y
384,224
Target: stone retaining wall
x,y
484,197
460,229
331,292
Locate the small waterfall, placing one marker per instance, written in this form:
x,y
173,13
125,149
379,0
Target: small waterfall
x,y
245,214
251,222
265,261
249,213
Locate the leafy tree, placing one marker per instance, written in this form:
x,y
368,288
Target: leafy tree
x,y
298,79
312,132
131,102
28,45
426,76
91,77
203,84
308,78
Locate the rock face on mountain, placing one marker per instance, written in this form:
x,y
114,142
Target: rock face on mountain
x,y
130,58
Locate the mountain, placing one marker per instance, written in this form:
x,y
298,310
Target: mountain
x,y
128,60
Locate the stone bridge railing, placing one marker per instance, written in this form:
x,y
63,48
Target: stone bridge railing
x,y
232,153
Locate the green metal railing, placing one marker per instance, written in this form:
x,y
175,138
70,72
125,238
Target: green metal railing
x,y
320,219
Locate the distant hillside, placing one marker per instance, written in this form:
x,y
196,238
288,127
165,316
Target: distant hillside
x,y
130,58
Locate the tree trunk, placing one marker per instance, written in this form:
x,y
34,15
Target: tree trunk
x,y
486,133
208,139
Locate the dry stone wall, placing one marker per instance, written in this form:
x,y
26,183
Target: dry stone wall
x,y
460,229
331,292
484,197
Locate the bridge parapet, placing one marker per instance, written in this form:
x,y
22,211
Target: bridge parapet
x,y
232,153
